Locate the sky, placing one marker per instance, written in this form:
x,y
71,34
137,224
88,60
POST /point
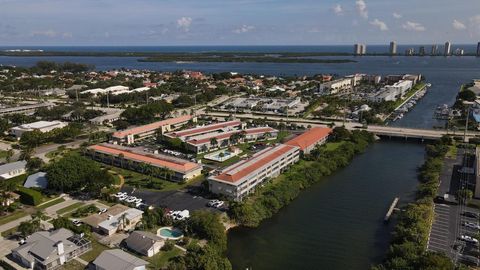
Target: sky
x,y
237,22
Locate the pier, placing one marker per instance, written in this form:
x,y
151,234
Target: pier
x,y
391,209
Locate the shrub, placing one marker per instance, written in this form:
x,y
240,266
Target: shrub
x,y
30,196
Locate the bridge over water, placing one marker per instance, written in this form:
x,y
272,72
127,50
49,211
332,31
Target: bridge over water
x,y
383,131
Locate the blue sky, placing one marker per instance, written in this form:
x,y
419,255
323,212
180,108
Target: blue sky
x,y
237,22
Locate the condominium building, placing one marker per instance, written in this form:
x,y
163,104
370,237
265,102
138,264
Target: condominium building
x,y
310,139
129,136
241,178
135,159
336,86
434,50
206,142
447,49
50,249
393,47
187,134
359,49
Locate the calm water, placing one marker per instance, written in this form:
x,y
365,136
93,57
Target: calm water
x,y
336,224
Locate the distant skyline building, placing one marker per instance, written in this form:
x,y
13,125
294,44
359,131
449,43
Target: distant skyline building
x,y
448,48
393,47
434,50
478,49
359,49
409,51
421,51
459,52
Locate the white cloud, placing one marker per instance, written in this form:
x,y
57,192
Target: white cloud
x,y
47,33
413,26
362,8
381,25
67,35
474,25
397,15
244,29
338,9
184,23
458,25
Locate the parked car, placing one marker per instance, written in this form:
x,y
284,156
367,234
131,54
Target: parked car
x,y
103,210
470,214
218,204
211,203
471,225
469,239
77,222
471,260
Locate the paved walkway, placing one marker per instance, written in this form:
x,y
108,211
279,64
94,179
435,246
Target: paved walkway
x,y
78,259
13,224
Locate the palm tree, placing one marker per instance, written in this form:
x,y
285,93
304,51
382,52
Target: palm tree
x,y
213,142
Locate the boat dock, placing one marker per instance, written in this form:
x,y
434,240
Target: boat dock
x,y
391,209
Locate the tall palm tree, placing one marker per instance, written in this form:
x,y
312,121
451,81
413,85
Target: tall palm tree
x,y
213,142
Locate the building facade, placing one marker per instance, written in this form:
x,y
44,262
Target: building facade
x,y
42,126
241,178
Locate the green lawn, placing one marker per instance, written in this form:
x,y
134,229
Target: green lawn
x,y
133,178
97,248
50,203
3,154
12,217
452,151
72,265
70,208
9,232
161,259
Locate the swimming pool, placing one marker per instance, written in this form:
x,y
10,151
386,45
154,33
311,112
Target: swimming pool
x,y
170,233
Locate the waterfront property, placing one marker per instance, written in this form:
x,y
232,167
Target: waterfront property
x,y
308,140
13,169
117,218
42,126
145,243
129,136
136,159
116,259
188,134
210,141
284,106
241,178
49,250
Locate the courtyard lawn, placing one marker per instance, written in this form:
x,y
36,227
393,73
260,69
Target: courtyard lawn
x,y
139,180
160,260
72,265
97,248
70,208
452,151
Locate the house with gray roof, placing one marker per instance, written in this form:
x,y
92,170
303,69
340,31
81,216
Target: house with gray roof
x,y
145,243
48,250
115,259
37,180
13,169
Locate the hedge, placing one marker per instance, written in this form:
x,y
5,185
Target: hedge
x,y
30,196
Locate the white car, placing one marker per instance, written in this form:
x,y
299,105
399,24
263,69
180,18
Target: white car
x,y
138,200
131,199
120,194
218,204
471,225
76,222
122,198
469,239
103,210
211,203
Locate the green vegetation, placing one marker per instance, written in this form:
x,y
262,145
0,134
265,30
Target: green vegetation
x,y
146,113
70,208
30,196
161,259
51,203
85,211
408,247
276,194
32,139
73,173
97,248
72,265
11,217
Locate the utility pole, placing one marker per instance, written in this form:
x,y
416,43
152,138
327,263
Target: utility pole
x,y
466,124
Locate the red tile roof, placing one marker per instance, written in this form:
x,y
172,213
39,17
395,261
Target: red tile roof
x,y
243,168
177,165
225,135
152,126
310,137
204,129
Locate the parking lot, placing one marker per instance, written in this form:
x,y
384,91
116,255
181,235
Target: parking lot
x,y
442,235
173,200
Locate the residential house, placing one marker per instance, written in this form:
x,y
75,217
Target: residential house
x,y
13,169
145,243
116,259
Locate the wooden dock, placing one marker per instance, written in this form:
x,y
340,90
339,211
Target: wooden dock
x,y
391,209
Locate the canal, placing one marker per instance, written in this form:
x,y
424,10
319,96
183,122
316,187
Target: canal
x,y
337,223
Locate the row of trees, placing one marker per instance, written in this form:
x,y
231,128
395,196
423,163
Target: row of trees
x,y
410,237
146,113
270,199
